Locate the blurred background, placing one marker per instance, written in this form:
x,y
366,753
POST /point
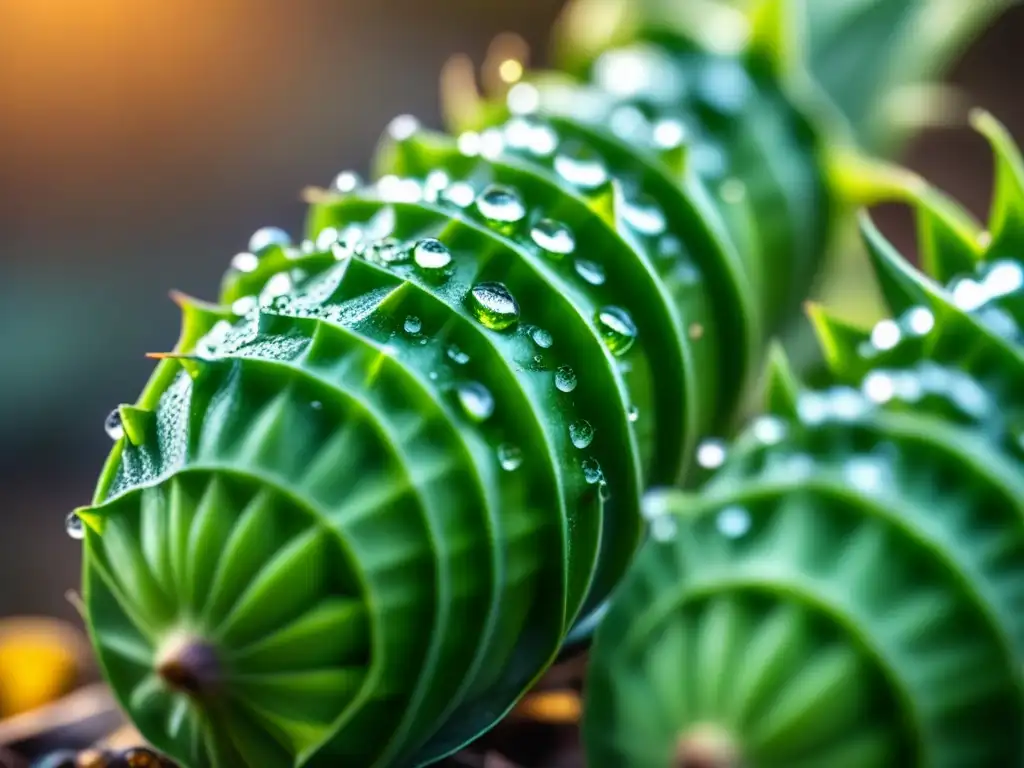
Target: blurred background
x,y
142,143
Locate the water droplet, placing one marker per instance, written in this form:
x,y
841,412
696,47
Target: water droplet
x,y
500,205
711,453
412,324
592,473
617,329
604,490
581,433
565,379
969,295
885,335
245,262
113,426
1004,277
733,522
663,528
669,134
386,251
920,320
510,457
74,526
494,306
469,143
581,167
459,193
431,255
724,86
554,237
645,216
347,181
476,400
590,271
732,190
268,237
866,473
276,286
541,337
457,356
403,127
634,413
244,305
769,430
523,98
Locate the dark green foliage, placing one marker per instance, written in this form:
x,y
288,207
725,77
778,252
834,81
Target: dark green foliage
x,y
848,589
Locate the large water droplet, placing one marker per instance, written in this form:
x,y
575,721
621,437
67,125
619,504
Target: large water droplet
x,y
590,271
476,400
565,379
113,425
592,471
412,324
581,166
501,205
494,306
541,337
432,255
510,457
581,433
74,526
617,329
266,238
711,454
554,237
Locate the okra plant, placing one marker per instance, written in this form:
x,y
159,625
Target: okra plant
x,y
378,485
848,590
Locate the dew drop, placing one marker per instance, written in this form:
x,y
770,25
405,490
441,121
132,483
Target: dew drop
x,y
769,430
265,238
113,425
403,127
645,216
412,324
244,305
885,335
494,306
592,471
581,166
74,526
920,320
663,528
476,400
459,193
711,453
733,522
245,262
347,181
590,271
316,405
565,379
456,355
510,457
500,205
617,329
431,255
541,337
581,433
554,237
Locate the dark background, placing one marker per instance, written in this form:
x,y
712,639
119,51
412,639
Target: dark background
x,y
141,143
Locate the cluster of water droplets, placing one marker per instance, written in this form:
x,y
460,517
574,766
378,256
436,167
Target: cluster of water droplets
x,y
995,296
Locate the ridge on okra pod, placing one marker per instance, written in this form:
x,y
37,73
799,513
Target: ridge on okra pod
x,y
847,589
379,482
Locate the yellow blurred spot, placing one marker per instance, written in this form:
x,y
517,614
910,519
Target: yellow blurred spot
x,y
555,707
40,660
510,70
